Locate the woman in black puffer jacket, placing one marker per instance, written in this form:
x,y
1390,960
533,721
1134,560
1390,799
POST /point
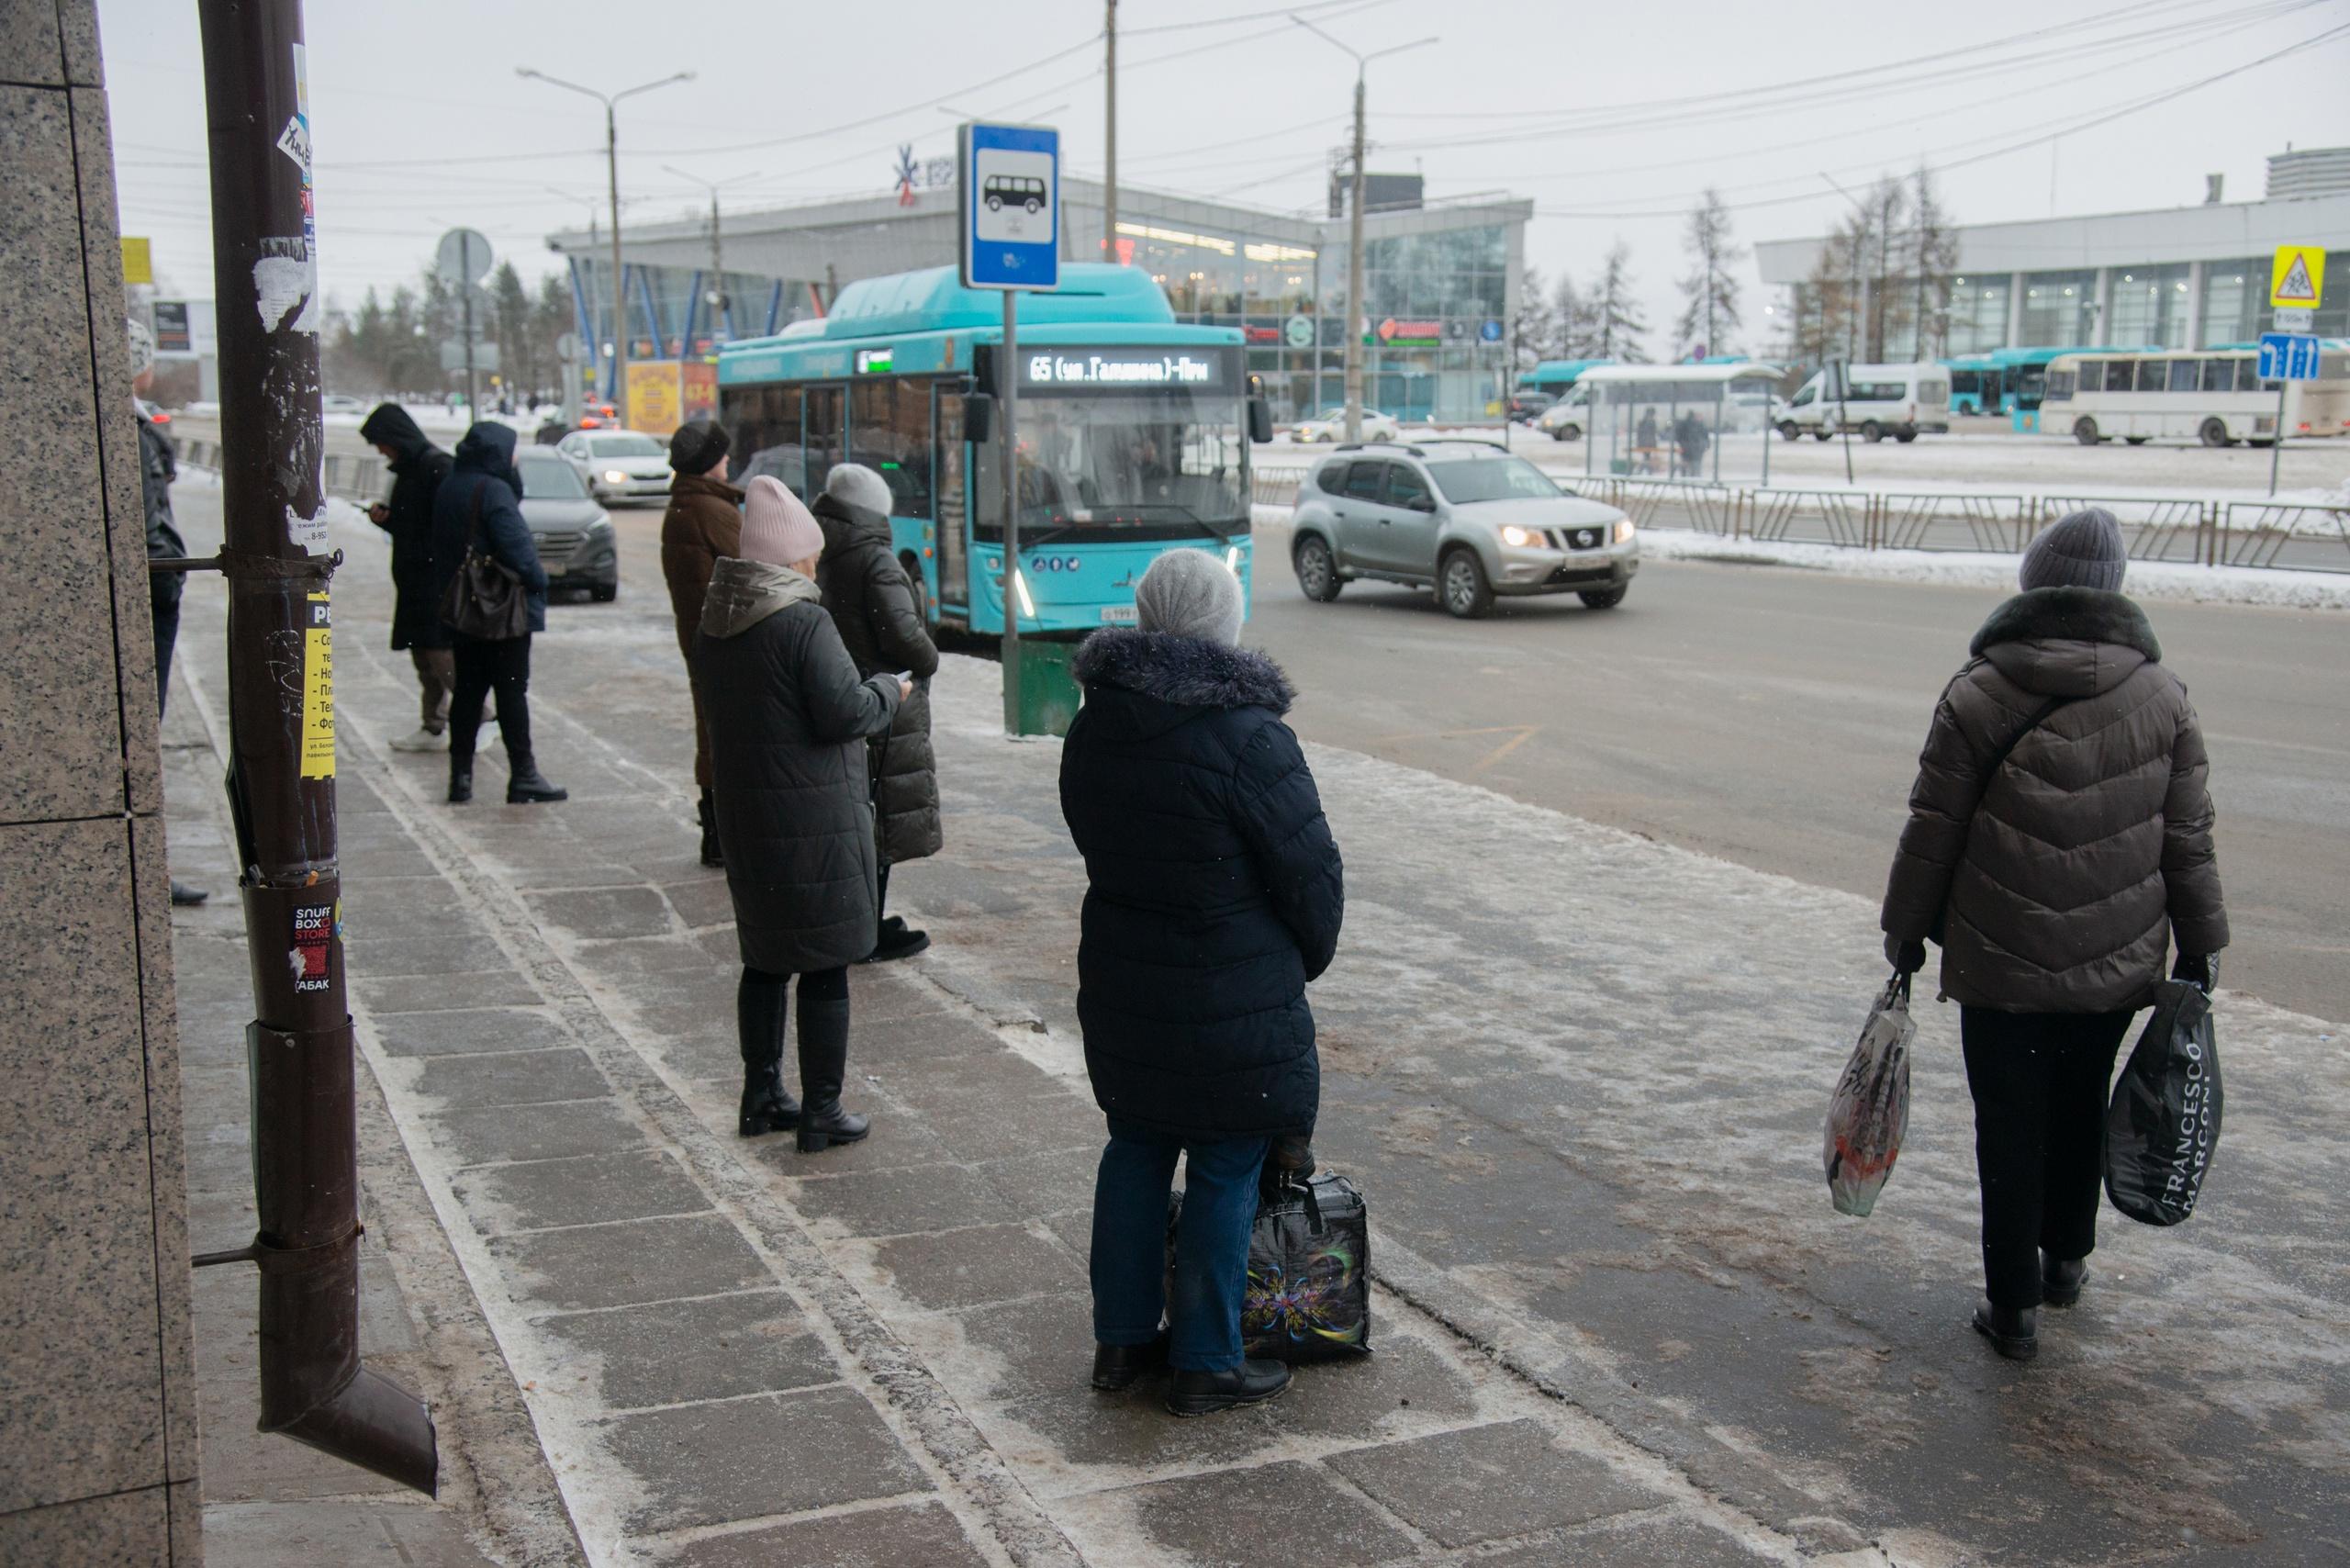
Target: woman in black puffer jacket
x,y
788,719
1216,894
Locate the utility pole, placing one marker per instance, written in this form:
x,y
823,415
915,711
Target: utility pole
x,y
613,176
1109,133
314,1388
715,294
1354,322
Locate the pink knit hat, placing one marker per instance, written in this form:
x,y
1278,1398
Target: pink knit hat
x,y
775,528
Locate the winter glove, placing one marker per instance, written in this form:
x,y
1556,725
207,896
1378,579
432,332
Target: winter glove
x,y
1290,1157
2200,970
1906,954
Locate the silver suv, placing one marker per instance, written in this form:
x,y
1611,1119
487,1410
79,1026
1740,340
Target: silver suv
x,y
1462,517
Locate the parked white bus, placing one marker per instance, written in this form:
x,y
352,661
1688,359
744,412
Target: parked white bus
x,y
2213,395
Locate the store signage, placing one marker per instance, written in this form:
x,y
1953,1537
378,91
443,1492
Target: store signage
x,y
171,326
1298,331
1491,331
873,362
1406,334
1262,334
1127,367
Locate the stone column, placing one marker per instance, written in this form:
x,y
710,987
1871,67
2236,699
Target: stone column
x,y
2014,334
97,1396
2195,271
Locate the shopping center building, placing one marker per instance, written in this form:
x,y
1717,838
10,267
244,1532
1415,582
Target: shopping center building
x,y
1440,281
2185,277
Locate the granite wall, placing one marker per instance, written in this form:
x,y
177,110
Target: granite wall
x,y
97,1400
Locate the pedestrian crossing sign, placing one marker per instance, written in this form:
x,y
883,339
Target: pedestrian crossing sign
x,y
2298,277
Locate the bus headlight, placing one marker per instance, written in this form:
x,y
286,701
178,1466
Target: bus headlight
x,y
1232,560
1020,586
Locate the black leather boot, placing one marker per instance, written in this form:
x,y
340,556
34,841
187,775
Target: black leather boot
x,y
823,1063
2014,1331
1117,1367
2061,1280
711,855
768,1105
529,786
461,781
1204,1394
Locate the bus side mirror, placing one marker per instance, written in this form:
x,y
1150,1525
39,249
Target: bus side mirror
x,y
1261,421
978,417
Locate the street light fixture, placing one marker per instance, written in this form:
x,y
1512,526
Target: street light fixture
x,y
1354,226
612,169
716,292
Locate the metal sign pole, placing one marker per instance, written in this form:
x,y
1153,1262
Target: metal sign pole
x,y
1008,378
2276,447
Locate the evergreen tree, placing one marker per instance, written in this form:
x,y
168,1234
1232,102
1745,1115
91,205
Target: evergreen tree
x,y
1616,324
1535,335
1712,285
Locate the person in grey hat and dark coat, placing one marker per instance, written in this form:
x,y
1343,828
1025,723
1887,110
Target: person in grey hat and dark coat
x,y
1214,892
704,523
2059,845
880,619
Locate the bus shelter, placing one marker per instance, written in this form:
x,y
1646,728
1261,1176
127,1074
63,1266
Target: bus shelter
x,y
1696,423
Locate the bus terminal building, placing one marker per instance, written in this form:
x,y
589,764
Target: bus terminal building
x,y
2189,277
1440,283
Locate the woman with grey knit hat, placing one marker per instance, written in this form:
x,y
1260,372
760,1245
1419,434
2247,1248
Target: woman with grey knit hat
x,y
2059,844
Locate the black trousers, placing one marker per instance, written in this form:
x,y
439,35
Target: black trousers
x,y
481,667
165,608
2040,1082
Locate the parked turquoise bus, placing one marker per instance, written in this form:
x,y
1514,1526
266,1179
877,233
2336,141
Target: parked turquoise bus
x,y
1134,435
1556,375
2003,380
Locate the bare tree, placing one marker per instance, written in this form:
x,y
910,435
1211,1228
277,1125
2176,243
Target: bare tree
x,y
1617,325
1828,309
1576,339
1712,285
1932,260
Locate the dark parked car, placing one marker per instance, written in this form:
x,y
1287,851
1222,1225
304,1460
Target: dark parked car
x,y
574,536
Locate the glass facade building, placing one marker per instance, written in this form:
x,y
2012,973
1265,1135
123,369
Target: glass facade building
x,y
1438,283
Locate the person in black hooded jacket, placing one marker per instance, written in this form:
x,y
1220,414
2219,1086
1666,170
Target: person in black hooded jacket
x,y
418,467
1215,893
480,501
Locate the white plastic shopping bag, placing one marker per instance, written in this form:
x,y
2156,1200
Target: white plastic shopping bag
x,y
1871,1107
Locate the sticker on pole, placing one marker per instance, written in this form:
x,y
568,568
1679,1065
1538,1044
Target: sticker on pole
x,y
317,690
1011,194
311,954
2298,277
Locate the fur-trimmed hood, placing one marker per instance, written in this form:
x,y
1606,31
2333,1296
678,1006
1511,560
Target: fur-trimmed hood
x,y
743,593
2067,642
1187,672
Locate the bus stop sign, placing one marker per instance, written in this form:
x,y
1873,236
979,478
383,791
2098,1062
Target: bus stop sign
x,y
1011,192
2287,356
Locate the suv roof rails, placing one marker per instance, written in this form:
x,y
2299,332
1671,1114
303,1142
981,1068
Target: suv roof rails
x,y
1390,445
1466,441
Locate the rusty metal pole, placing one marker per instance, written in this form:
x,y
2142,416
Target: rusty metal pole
x,y
281,762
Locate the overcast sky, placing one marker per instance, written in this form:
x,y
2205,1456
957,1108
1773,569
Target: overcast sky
x,y
1602,114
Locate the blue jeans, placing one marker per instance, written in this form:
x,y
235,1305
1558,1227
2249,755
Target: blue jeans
x,y
1210,1244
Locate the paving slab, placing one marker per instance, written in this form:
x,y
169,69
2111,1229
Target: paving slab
x,y
981,1263
1637,1541
1490,1483
342,1531
1224,1519
916,1198
494,1133
457,1031
603,912
673,1353
749,1458
593,1189
474,989
921,1535
513,1079
633,1260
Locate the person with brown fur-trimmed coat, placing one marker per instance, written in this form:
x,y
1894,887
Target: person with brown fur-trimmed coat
x,y
2059,844
872,602
704,523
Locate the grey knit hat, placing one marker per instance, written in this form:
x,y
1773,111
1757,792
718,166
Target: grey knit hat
x,y
858,485
1190,593
2081,549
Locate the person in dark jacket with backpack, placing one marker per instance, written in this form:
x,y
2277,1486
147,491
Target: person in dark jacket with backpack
x,y
788,716
418,467
1215,893
880,621
479,507
2059,845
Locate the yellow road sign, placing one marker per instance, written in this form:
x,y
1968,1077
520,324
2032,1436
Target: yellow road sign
x,y
2298,277
138,260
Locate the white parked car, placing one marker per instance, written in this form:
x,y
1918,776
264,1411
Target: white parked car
x,y
1330,425
342,403
620,465
1880,400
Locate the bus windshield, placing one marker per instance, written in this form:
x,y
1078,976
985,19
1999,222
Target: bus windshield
x,y
1160,464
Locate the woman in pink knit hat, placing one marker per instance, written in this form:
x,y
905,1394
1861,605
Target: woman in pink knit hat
x,y
788,718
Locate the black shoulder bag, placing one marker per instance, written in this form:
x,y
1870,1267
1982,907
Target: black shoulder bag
x,y
485,600
1998,760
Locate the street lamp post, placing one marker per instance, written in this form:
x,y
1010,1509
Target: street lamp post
x,y
612,172
716,292
1353,325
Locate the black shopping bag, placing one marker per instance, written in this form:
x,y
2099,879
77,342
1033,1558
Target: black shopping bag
x,y
1308,1296
2163,1124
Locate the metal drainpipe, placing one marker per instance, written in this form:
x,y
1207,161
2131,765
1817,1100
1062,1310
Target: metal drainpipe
x,y
281,768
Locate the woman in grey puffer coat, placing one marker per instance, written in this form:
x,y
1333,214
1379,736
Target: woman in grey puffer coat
x,y
787,718
2059,843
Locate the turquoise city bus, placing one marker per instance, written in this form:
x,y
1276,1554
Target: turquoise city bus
x,y
1133,430
1557,376
2000,381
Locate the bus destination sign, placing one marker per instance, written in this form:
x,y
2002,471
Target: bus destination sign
x,y
1131,367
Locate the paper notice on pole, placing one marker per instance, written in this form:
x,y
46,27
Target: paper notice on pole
x,y
317,690
307,533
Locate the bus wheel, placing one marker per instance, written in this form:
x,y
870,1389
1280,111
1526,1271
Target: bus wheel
x,y
2137,439
2215,433
1872,431
1905,437
2085,431
1823,433
1318,575
1788,429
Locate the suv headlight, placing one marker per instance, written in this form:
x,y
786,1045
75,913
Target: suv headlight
x,y
1624,531
1519,538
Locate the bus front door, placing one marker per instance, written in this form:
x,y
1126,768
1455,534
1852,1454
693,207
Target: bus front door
x,y
952,463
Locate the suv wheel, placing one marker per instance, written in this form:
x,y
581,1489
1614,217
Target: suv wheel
x,y
1461,584
1789,430
1318,575
1601,599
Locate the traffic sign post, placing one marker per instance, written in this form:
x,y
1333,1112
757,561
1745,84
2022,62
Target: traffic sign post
x,y
2284,358
463,261
1010,177
2298,277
